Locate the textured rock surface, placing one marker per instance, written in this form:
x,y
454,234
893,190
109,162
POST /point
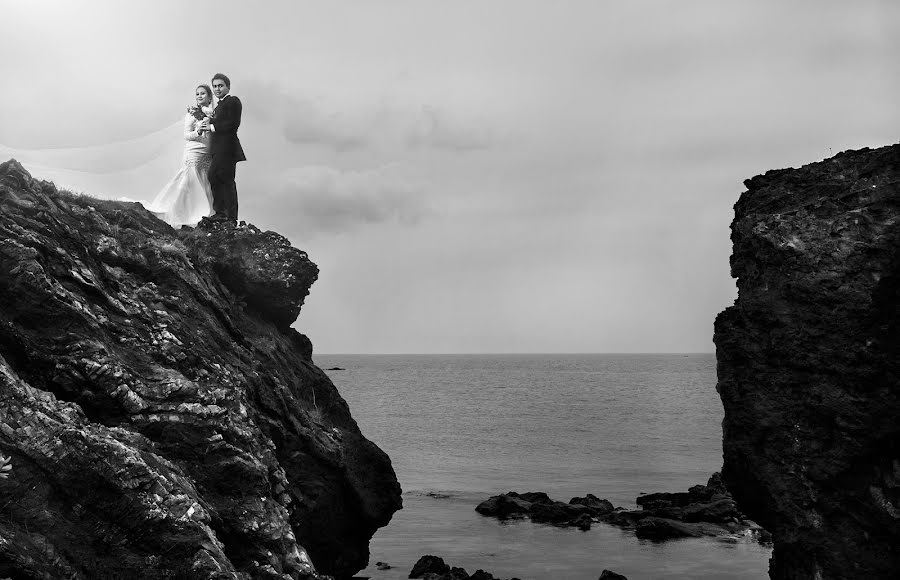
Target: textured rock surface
x,y
809,363
161,416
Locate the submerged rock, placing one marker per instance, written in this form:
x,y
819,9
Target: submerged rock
x,y
809,364
162,417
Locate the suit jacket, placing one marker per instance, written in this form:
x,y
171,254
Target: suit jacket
x,y
224,142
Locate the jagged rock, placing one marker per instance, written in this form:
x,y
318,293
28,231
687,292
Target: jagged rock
x,y
503,506
429,564
434,568
702,510
260,268
713,490
557,512
610,575
162,417
624,518
717,511
534,497
541,510
809,364
599,506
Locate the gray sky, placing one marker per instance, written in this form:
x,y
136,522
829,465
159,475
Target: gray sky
x,y
470,176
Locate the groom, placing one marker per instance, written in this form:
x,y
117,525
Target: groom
x,y
225,149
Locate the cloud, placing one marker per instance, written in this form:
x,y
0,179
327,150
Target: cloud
x,y
304,120
438,129
383,122
319,199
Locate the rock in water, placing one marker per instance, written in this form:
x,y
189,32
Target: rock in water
x,y
429,564
162,417
809,365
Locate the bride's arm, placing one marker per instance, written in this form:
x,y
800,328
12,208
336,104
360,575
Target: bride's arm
x,y
190,133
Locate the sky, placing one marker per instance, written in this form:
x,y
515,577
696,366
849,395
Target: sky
x,y
490,176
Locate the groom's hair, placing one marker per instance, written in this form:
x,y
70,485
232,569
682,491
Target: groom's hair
x,y
223,78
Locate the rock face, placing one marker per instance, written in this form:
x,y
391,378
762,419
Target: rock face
x,y
161,416
809,365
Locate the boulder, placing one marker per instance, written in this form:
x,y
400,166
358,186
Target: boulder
x,y
434,568
429,564
717,511
557,512
597,505
503,506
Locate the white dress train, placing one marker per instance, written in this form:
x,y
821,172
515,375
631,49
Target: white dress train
x,y
187,198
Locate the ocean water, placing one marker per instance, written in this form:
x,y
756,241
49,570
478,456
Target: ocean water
x,y
460,428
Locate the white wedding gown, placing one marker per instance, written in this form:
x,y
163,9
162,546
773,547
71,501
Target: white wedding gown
x,y
187,198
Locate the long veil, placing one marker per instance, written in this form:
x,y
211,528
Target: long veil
x,y
124,169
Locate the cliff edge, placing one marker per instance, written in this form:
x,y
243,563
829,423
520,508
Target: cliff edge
x,y
162,418
809,365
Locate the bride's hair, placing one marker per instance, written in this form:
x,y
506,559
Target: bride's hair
x,y
208,90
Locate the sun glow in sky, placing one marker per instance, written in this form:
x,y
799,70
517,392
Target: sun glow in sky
x,y
470,176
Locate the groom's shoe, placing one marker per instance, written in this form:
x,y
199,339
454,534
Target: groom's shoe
x,y
208,221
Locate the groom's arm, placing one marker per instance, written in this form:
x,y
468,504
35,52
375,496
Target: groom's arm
x,y
230,122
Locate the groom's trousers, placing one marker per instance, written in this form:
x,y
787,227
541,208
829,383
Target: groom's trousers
x,y
224,190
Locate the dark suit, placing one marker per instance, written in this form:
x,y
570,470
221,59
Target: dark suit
x,y
225,150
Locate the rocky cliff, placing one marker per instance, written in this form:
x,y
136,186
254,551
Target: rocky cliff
x,y
809,365
162,418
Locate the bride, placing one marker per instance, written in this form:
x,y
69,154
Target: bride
x,y
187,198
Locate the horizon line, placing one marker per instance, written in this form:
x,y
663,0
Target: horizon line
x,y
504,353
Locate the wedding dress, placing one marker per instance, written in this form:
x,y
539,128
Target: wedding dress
x,y
187,198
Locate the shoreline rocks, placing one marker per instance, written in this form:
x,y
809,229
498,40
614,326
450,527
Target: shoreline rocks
x,y
431,567
704,510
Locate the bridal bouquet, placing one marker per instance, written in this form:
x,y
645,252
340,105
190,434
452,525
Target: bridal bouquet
x,y
199,113
196,111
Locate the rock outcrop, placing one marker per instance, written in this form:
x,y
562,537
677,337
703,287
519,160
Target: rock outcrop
x,y
434,568
161,416
703,510
809,365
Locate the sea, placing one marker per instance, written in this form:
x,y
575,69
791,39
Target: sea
x,y
461,428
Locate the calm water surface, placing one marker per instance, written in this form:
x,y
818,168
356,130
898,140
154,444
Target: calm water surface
x,y
460,428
